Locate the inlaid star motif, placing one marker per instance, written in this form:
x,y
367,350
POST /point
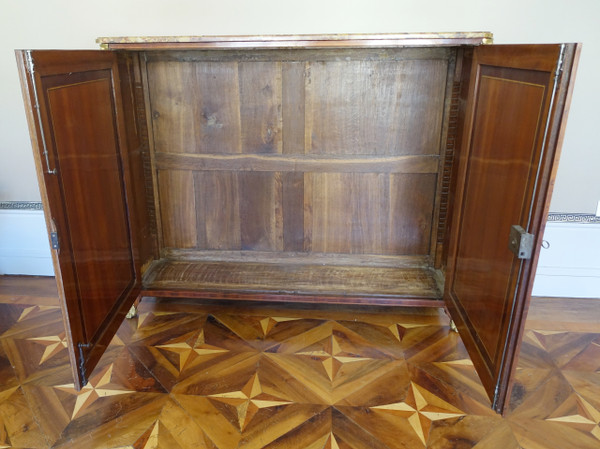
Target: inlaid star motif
x,y
422,408
332,356
399,329
98,387
189,346
4,395
54,344
267,324
328,441
30,310
578,413
146,318
248,401
152,441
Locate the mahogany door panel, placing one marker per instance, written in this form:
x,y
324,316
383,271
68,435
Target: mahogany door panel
x,y
506,160
78,129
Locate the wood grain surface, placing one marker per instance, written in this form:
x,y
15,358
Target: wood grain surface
x,y
302,279
310,152
206,375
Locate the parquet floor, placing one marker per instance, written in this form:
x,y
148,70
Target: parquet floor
x,y
203,375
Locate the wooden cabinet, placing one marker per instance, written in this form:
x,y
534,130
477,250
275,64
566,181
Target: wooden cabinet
x,y
363,169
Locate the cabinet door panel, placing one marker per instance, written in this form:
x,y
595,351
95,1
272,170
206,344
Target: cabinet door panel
x,y
79,142
507,161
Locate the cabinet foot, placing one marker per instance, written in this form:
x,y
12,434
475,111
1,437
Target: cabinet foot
x,y
132,312
453,326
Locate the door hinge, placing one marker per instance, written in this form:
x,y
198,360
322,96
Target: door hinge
x,y
520,242
54,240
496,396
561,61
29,63
81,347
36,105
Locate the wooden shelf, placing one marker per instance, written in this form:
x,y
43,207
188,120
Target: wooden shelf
x,y
292,281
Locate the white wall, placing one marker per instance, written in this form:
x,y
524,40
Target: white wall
x,y
76,24
569,266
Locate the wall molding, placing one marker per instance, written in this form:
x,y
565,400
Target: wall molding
x,y
561,217
21,205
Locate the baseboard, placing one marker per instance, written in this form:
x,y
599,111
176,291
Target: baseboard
x,y
24,247
570,265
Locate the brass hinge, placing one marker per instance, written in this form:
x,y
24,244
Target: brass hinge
x,y
520,242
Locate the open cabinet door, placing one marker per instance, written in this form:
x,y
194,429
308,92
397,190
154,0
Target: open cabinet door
x,y
516,101
74,107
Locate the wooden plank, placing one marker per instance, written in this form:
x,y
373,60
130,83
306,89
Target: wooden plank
x,y
293,211
411,211
195,106
177,208
312,163
375,107
308,211
370,213
218,210
292,279
299,257
260,92
260,209
346,210
293,107
306,55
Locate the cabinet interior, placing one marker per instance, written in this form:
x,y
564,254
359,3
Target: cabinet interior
x,y
298,171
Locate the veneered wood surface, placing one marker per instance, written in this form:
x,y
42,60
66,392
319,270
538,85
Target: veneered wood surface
x,y
87,157
505,139
184,372
86,196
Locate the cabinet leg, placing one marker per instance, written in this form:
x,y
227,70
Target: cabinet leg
x,y
132,312
453,326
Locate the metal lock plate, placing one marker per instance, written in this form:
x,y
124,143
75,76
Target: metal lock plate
x,y
520,242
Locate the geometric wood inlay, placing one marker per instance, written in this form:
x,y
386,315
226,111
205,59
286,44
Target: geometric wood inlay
x,y
212,375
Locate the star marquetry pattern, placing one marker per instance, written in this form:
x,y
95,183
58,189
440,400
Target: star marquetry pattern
x,y
98,387
326,442
399,329
421,408
54,344
535,337
333,356
267,324
29,311
578,413
185,350
248,400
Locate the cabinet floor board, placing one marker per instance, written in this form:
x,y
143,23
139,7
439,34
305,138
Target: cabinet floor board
x,y
208,374
292,278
